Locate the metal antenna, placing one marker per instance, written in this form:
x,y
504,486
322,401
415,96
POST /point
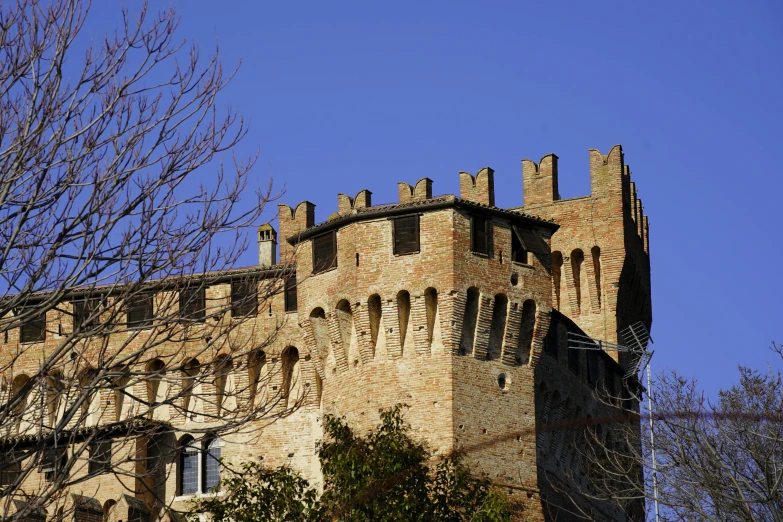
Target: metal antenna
x,y
635,339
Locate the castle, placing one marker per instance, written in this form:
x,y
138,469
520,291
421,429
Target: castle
x,y
449,304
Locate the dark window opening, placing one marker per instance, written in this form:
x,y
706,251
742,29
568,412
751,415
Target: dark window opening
x,y
611,389
33,328
100,457
140,310
193,303
479,234
53,463
406,235
518,251
552,339
573,360
244,298
629,395
10,467
593,373
84,312
324,252
529,240
290,293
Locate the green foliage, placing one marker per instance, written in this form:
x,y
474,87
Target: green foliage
x,y
384,476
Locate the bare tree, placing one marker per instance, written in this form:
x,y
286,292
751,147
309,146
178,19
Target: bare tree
x,y
120,316
714,460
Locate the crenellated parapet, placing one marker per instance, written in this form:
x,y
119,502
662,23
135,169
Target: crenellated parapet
x,y
422,190
479,188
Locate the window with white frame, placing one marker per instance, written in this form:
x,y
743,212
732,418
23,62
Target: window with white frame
x,y
199,466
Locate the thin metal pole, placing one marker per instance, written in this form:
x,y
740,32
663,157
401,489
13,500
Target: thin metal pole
x,y
652,444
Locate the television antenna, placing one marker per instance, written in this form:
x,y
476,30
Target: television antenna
x,y
636,339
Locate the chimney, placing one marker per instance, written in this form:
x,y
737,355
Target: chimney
x,y
267,244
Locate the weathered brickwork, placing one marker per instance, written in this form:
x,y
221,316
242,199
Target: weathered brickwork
x,y
453,330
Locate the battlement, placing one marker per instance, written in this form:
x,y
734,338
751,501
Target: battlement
x,y
479,189
419,192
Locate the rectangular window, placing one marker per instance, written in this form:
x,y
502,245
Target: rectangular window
x,y
406,235
188,471
140,310
529,240
518,251
193,303
593,373
479,234
552,339
290,294
611,388
324,252
33,328
53,463
10,467
83,309
100,457
573,360
244,297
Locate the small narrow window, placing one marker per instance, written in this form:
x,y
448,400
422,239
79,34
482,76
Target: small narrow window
x,y
53,463
611,388
84,312
324,252
518,252
211,470
479,234
552,339
573,360
244,297
592,367
406,235
290,294
193,303
10,467
100,456
33,327
188,468
140,310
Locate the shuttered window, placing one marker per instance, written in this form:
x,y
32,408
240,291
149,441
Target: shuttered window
x,y
324,252
33,328
140,310
479,234
290,294
244,297
83,309
518,252
406,235
529,240
193,303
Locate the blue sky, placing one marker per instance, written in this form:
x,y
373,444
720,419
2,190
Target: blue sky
x,y
343,96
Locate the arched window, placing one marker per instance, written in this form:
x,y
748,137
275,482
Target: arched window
x,y
211,465
199,465
223,369
498,328
557,272
577,260
258,377
431,303
107,507
155,372
404,315
122,398
190,371
345,322
526,327
320,328
469,322
55,386
376,312
292,381
188,467
596,252
20,395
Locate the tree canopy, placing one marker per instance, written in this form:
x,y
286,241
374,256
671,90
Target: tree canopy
x,y
385,475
